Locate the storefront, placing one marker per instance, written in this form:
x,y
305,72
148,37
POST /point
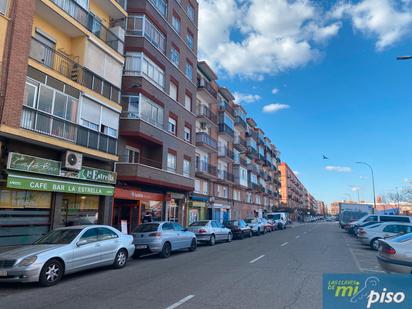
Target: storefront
x,y
220,212
132,207
197,209
38,195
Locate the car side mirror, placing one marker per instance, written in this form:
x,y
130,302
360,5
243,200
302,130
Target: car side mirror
x,y
81,242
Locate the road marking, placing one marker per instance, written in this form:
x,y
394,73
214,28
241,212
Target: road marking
x,y
372,270
355,259
284,244
181,302
258,258
297,236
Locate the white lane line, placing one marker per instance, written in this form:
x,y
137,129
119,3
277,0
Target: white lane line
x,y
355,259
297,236
284,244
258,258
181,302
372,270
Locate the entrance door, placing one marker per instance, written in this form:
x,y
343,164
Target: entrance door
x,y
128,213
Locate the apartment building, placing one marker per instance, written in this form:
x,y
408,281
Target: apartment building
x,y
61,74
157,127
295,197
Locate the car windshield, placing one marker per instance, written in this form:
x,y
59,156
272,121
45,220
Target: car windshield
x,y
58,237
199,223
231,223
146,228
251,220
274,217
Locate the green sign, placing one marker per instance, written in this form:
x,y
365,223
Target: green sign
x,y
31,164
51,185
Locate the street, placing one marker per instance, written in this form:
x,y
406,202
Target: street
x,y
282,269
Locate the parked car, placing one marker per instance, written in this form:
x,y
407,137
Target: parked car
x,y
371,235
257,226
354,229
268,225
162,238
395,254
63,251
210,231
280,218
379,218
239,228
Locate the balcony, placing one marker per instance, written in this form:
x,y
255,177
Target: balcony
x,y
64,65
240,122
91,23
149,172
240,144
203,84
225,176
252,152
224,106
225,153
41,122
252,168
203,168
225,129
203,111
238,160
204,141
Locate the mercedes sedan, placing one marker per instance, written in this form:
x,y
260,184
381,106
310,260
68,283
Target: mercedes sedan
x,y
64,251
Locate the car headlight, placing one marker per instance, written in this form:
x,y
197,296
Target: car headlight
x,y
28,261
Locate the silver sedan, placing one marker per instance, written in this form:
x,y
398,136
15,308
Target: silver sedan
x,y
63,251
395,254
162,238
210,231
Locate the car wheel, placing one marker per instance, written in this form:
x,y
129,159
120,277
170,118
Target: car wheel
x,y
193,245
250,233
375,244
51,273
166,250
229,237
212,240
121,259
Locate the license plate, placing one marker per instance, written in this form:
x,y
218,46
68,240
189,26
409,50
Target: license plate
x,y
3,273
141,247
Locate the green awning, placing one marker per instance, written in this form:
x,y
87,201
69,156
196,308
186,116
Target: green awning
x,y
27,182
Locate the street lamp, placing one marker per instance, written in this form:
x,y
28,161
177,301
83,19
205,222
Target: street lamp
x,y
373,184
404,58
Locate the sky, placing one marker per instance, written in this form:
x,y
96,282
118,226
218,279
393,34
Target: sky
x,y
321,78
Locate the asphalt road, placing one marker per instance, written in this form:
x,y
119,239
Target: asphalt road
x,y
282,269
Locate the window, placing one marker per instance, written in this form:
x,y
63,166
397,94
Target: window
x,y
205,188
197,186
253,178
150,112
249,197
171,162
90,235
90,114
174,56
189,70
176,23
189,40
178,227
105,233
243,176
188,134
132,155
160,5
137,64
167,226
171,126
188,102
186,168
190,11
228,121
3,6
236,195
225,192
30,94
173,91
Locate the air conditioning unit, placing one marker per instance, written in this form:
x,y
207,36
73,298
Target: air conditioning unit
x,y
72,161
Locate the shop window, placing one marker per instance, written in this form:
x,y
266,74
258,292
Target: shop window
x,y
153,209
79,209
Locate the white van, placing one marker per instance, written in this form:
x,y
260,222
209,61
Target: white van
x,y
279,218
381,218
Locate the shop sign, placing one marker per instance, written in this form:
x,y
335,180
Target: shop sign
x,y
31,164
51,185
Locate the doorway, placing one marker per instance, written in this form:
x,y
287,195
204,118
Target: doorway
x,y
127,213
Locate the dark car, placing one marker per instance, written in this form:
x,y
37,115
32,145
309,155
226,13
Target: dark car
x,y
239,228
353,230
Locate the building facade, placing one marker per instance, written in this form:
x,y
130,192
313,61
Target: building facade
x,y
61,72
157,127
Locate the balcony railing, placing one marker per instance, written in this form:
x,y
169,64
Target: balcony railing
x,y
204,138
141,160
204,84
225,152
62,64
225,175
92,24
205,167
224,128
142,116
240,141
239,160
204,111
252,152
47,124
224,106
240,122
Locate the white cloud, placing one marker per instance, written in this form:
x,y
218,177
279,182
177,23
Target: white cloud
x,y
387,20
338,169
271,35
406,179
275,90
274,107
244,98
